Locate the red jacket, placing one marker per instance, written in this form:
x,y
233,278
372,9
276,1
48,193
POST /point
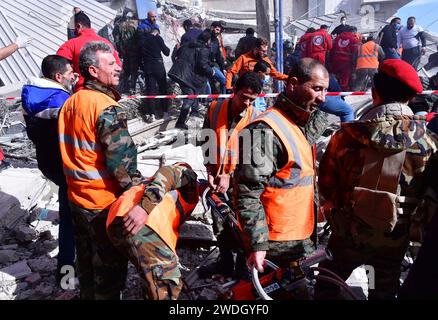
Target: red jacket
x,y
303,43
344,48
72,47
316,45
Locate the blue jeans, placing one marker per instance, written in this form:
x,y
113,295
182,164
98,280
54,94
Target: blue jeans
x,y
390,55
337,106
219,76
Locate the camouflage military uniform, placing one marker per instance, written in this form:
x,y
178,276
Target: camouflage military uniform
x,y
124,34
249,183
156,263
101,268
353,243
227,242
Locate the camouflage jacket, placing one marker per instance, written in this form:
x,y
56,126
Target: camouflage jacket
x,y
388,131
250,181
178,176
117,145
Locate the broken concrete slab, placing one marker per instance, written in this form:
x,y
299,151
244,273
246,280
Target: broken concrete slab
x,y
33,278
42,264
9,247
196,230
7,256
15,271
27,185
24,233
10,211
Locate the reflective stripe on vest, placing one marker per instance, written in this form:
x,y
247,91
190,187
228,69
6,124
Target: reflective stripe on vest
x,y
368,56
227,154
165,219
86,175
90,185
288,199
79,144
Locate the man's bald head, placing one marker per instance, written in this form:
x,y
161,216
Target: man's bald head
x,y
152,16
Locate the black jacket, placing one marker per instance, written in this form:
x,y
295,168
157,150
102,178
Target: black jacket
x,y
389,37
216,57
341,28
150,48
245,44
192,67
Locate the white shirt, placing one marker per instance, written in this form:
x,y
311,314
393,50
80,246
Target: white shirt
x,y
406,37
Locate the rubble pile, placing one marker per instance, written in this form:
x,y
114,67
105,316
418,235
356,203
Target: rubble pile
x,y
13,137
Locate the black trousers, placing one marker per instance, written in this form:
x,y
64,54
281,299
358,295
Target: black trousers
x,y
412,56
129,73
156,84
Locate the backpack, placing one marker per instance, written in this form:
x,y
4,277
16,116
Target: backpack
x,y
375,202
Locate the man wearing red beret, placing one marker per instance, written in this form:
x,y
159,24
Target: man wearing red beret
x,y
371,177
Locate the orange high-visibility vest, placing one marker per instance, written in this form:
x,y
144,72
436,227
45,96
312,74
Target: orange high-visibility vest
x,y
227,143
288,198
89,184
368,56
165,219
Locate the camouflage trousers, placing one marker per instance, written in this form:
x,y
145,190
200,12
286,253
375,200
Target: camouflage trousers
x,y
282,253
101,268
383,252
155,262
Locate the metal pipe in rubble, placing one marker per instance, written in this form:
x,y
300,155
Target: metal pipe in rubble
x,y
280,30
281,55
277,40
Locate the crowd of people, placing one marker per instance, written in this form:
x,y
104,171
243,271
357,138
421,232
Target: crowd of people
x,y
372,180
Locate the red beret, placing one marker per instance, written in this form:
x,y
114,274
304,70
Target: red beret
x,y
403,72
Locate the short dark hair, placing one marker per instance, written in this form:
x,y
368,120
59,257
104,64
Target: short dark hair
x,y
249,80
261,42
204,36
310,30
391,89
83,19
187,24
394,19
54,64
250,32
411,18
324,26
220,24
261,66
303,69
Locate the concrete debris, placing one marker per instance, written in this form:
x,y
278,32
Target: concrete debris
x,y
42,264
8,256
33,278
9,247
15,271
43,290
25,234
20,189
196,230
